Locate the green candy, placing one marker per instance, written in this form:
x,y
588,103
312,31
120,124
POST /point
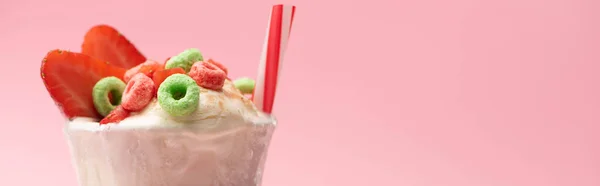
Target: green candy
x,y
108,85
245,85
184,59
179,95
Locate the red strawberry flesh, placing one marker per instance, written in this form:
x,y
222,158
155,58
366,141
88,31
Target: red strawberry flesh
x,y
70,78
107,44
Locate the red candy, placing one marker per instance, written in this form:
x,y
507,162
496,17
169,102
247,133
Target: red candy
x,y
138,93
115,116
161,75
147,68
208,75
221,66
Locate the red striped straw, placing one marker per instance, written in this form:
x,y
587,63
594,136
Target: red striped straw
x,y
278,32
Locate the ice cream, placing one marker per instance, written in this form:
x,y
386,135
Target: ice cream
x,y
222,142
139,122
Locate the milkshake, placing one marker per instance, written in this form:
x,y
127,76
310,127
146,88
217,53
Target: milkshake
x,y
132,121
223,142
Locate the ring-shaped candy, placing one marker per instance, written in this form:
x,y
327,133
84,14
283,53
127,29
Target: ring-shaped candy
x,y
112,86
245,85
185,59
138,93
179,95
208,75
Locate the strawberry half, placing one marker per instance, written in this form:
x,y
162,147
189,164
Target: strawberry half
x,y
107,44
70,78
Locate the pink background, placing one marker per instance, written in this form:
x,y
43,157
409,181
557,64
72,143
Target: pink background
x,y
397,92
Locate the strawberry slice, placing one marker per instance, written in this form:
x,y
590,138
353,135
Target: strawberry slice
x,y
70,77
107,44
115,116
160,75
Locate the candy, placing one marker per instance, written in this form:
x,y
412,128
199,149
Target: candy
x,y
184,59
147,68
208,75
104,90
245,85
221,66
179,95
138,93
117,115
160,75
